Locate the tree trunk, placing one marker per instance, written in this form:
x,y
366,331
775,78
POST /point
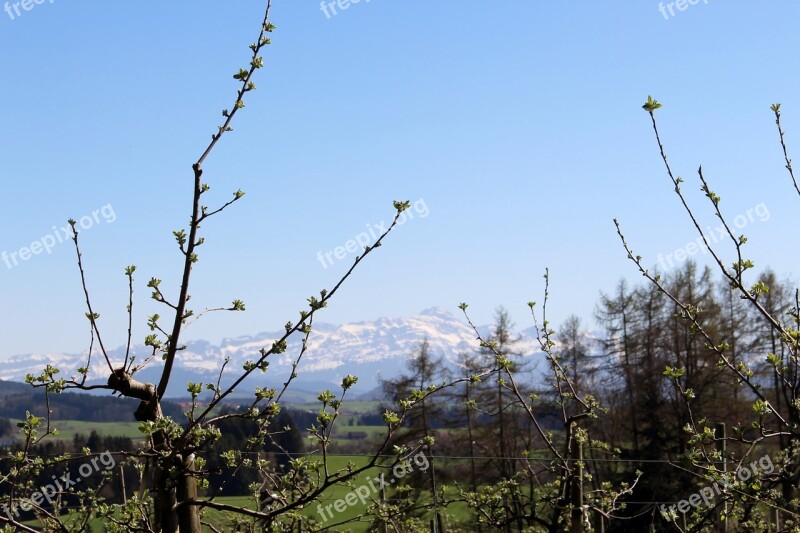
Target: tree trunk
x,y
167,492
188,515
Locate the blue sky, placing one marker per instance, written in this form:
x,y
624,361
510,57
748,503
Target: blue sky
x,y
516,124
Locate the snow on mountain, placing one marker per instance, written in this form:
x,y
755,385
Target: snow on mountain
x,y
369,350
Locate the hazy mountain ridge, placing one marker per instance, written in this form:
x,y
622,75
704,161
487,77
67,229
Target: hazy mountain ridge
x,y
368,349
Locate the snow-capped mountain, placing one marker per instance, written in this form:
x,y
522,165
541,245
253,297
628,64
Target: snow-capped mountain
x,y
369,350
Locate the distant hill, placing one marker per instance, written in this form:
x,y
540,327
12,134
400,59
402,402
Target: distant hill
x,y
10,387
17,398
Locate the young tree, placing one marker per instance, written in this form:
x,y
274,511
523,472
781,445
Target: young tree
x,y
425,372
575,351
464,397
172,468
502,432
617,315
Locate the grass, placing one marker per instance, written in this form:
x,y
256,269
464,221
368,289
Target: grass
x,y
352,518
220,519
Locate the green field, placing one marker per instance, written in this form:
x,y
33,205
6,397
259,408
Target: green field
x,y
352,516
371,431
67,429
349,406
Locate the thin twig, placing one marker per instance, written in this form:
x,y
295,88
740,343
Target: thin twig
x,y
91,314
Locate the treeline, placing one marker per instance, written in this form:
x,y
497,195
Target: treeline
x,y
646,334
493,445
16,399
6,428
283,443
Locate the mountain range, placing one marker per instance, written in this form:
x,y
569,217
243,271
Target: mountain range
x,y
370,350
